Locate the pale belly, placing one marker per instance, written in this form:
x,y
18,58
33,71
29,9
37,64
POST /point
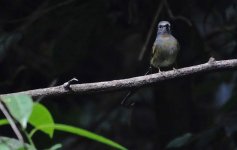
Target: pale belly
x,y
165,51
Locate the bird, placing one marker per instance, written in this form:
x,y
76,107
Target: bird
x,y
165,47
164,53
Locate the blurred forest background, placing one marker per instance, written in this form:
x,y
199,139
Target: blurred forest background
x,y
47,42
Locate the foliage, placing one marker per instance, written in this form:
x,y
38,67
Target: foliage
x,y
40,117
19,106
13,144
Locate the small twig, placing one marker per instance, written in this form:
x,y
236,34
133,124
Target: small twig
x,y
132,103
67,84
12,123
131,83
29,139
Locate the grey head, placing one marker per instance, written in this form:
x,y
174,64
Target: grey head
x,y
163,27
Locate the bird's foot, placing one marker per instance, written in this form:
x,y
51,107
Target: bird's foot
x,y
211,60
159,71
175,70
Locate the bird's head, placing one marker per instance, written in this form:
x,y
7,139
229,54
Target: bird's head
x,y
164,27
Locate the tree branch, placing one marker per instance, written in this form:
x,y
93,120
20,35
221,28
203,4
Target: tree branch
x,y
134,82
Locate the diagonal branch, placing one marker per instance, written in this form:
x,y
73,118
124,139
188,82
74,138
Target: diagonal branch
x,y
134,82
11,122
149,34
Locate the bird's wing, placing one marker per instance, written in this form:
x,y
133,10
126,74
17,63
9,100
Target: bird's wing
x,y
153,50
178,46
176,43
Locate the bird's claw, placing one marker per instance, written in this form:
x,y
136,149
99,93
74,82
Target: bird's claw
x,y
211,60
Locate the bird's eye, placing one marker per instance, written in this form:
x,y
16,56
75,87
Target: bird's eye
x,y
160,26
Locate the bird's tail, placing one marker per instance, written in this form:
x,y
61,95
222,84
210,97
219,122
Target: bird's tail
x,y
125,101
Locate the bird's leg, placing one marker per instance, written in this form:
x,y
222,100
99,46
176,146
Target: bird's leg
x,y
175,66
159,70
175,70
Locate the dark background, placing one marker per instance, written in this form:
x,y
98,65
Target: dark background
x,y
46,42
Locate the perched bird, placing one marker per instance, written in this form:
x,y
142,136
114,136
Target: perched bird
x,y
164,52
165,47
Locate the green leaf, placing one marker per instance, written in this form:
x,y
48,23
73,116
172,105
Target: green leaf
x,y
4,147
14,144
20,107
81,132
180,141
41,116
3,122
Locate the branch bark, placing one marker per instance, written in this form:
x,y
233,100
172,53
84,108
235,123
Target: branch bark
x,y
134,82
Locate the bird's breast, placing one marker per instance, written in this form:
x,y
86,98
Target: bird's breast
x,y
166,43
165,50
